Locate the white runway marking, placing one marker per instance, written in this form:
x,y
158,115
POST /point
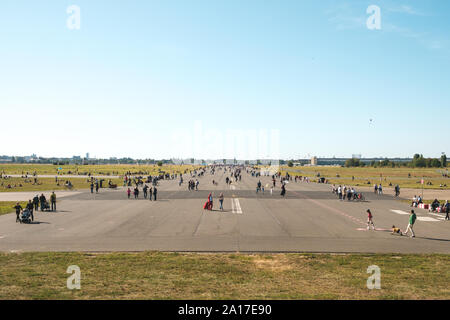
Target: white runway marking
x,y
428,219
236,206
399,212
437,215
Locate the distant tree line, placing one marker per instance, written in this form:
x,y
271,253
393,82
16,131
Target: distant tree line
x,y
418,161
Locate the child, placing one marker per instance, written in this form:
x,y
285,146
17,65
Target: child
x,y
396,230
370,220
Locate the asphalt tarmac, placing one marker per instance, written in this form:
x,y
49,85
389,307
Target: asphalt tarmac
x,y
309,219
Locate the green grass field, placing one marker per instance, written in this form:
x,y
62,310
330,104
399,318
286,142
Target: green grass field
x,y
48,184
155,275
120,169
368,176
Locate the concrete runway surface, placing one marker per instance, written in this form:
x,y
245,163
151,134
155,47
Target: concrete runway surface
x,y
309,219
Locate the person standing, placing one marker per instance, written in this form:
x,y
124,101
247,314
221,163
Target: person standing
x,y
150,193
30,208
283,190
221,197
129,193
210,201
370,220
42,201
19,209
96,187
145,189
92,187
36,202
412,220
155,191
53,201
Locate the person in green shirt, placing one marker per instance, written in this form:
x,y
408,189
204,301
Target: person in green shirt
x,y
53,201
412,220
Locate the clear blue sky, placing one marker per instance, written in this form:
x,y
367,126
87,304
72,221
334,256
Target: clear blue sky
x,y
140,77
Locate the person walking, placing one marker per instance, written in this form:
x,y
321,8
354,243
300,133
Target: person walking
x,y
412,220
53,201
447,210
283,190
96,187
370,220
221,197
30,207
150,193
129,193
92,187
19,209
155,191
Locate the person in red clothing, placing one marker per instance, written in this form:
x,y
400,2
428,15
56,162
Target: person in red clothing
x,y
128,193
370,220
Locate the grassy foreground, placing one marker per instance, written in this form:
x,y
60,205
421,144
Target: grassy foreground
x,y
156,275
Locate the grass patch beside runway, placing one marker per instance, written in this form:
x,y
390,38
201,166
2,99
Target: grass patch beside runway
x,y
368,176
7,206
48,184
102,169
157,275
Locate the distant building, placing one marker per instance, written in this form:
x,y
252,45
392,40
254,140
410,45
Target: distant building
x,y
314,161
87,156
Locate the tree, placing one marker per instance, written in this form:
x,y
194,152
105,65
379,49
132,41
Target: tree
x,y
290,164
435,163
419,161
160,163
444,161
352,163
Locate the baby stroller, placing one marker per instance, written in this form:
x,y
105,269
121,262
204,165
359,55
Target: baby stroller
x,y
207,205
26,216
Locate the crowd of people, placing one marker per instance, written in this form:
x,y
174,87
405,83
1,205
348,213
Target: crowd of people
x,y
344,192
37,203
